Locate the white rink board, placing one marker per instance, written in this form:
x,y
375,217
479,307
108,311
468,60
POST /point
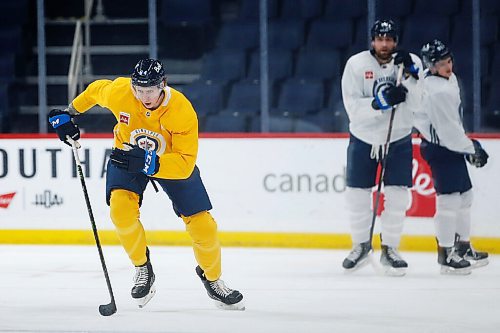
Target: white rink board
x,y
253,184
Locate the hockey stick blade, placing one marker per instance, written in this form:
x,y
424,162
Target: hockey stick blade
x,y
107,309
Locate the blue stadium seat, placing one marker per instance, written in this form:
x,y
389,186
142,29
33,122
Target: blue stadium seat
x,y
361,35
10,39
182,12
299,97
325,34
495,65
489,7
462,31
463,61
121,9
301,125
241,35
329,120
492,109
445,7
345,9
244,97
279,64
225,123
249,9
7,66
315,64
4,100
422,29
205,96
394,9
277,124
304,9
334,94
286,34
224,65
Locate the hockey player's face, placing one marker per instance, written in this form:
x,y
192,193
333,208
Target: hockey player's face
x,y
383,47
150,97
444,67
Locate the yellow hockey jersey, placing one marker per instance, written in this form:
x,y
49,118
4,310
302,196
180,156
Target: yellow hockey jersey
x,y
171,129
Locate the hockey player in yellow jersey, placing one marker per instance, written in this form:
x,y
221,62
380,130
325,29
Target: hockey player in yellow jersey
x,y
155,139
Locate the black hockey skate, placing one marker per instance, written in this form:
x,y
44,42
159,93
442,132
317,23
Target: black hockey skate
x,y
392,262
465,250
451,263
358,256
144,288
224,297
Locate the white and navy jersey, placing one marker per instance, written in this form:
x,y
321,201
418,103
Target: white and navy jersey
x,y
438,120
363,77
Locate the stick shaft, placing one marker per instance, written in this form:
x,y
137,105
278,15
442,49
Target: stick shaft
x,y
92,221
383,160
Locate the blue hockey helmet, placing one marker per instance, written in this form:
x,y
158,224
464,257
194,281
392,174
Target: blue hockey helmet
x,y
148,73
384,28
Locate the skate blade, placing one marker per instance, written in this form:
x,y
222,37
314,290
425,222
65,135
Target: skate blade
x,y
362,263
478,263
445,270
240,306
394,271
141,302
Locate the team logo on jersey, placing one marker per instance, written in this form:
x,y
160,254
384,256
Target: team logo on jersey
x,y
383,83
124,118
368,75
148,140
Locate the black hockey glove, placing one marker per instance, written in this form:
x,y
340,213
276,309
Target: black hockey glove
x,y
389,97
403,57
480,156
63,124
135,159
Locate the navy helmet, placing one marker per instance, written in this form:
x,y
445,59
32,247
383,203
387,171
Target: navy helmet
x,y
433,52
384,28
148,73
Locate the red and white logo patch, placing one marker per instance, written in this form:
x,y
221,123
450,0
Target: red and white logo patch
x,y
368,75
5,199
124,118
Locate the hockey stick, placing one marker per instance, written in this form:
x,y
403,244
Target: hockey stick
x,y
382,161
104,309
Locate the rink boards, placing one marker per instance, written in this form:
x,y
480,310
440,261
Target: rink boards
x,y
267,190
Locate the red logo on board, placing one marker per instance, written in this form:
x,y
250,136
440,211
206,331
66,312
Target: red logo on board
x,y
5,199
423,195
368,75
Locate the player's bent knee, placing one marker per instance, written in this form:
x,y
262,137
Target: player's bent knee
x,y
467,198
201,226
397,198
358,199
124,207
448,202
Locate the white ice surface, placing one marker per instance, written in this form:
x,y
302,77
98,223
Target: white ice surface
x,y
59,288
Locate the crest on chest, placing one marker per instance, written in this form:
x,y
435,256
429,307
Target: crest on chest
x,y
148,140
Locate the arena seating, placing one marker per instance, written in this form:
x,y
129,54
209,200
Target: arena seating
x,y
309,42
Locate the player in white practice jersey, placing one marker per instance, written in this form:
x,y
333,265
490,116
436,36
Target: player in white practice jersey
x,y
446,147
369,92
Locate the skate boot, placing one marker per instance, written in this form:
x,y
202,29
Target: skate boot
x,y
144,288
466,251
392,262
451,263
224,297
358,256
